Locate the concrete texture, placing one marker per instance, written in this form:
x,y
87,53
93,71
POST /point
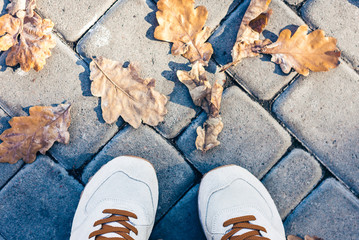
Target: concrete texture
x,y
250,138
64,78
182,222
292,179
263,78
32,208
331,212
294,2
322,111
7,170
174,174
344,26
73,18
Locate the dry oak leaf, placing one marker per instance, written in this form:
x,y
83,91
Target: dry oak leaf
x,y
303,51
27,34
124,93
183,25
253,23
35,133
291,237
207,136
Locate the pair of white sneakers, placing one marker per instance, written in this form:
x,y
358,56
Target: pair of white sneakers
x,y
120,202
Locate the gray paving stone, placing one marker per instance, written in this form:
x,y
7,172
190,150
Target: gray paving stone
x,y
72,19
250,138
322,111
64,78
175,176
217,10
330,212
133,41
182,221
259,75
39,202
7,170
339,20
292,179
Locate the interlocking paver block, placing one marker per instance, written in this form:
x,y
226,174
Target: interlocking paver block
x,y
39,202
65,77
125,33
250,138
339,20
322,111
182,221
330,212
292,179
7,170
175,176
259,75
73,18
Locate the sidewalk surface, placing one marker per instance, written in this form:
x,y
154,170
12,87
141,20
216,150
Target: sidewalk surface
x,y
299,135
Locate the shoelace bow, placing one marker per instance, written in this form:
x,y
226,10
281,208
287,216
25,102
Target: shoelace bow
x,y
243,223
120,216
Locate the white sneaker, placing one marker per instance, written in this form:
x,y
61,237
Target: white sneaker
x,y
119,202
234,204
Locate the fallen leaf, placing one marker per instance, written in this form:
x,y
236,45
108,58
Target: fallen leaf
x,y
124,93
27,34
207,136
254,21
183,25
303,51
291,237
35,133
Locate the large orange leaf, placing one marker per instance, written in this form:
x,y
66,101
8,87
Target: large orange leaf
x,y
183,25
35,133
124,93
27,34
303,51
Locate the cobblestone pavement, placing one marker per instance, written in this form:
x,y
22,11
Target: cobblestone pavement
x,y
299,135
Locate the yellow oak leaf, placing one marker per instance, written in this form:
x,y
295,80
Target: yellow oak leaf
x,y
183,25
124,93
303,51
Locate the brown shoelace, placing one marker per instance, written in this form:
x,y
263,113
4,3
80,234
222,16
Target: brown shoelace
x,y
119,216
243,223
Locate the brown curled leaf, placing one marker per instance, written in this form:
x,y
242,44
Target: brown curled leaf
x,y
19,6
291,237
124,93
303,51
183,25
253,23
207,136
35,133
27,34
33,47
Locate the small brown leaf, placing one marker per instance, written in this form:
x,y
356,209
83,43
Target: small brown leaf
x,y
291,237
35,133
254,21
124,93
303,51
207,136
183,25
28,35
